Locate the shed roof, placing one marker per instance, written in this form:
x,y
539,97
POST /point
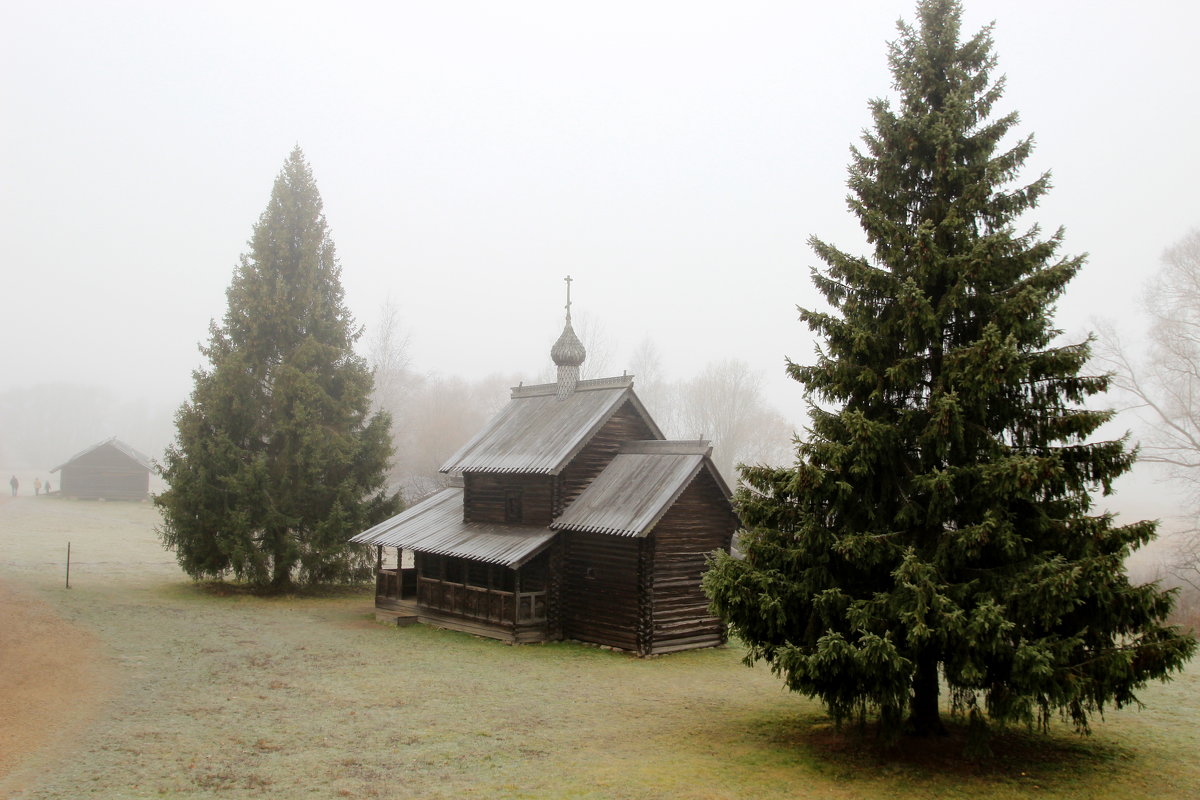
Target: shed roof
x,y
539,433
134,455
435,525
638,487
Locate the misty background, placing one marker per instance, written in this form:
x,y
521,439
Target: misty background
x,y
673,158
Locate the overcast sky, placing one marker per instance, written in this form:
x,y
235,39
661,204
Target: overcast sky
x,y
672,157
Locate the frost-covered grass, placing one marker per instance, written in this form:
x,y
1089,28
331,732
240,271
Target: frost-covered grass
x,y
223,694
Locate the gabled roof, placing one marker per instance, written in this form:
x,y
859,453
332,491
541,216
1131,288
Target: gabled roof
x,y
539,433
638,487
435,525
142,459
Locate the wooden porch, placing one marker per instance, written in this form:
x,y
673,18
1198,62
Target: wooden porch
x,y
510,616
395,584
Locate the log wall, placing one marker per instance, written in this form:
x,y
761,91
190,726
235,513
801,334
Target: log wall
x,y
486,495
599,596
699,522
554,589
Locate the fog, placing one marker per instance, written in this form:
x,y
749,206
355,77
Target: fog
x,y
672,157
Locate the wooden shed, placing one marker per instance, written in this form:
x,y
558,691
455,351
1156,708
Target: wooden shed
x,y
110,470
569,517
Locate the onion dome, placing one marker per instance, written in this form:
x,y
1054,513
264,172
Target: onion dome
x,y
568,351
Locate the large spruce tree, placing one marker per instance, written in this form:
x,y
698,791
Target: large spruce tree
x,y
277,461
939,524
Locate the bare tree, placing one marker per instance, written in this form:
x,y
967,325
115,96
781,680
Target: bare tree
x,y
725,404
652,388
388,354
441,413
597,343
1164,382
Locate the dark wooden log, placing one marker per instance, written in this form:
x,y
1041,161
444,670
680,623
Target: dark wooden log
x,y
645,576
554,589
489,497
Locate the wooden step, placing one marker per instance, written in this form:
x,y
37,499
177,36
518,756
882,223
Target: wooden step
x,y
400,618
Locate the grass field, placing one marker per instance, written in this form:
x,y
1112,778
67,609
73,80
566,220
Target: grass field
x,y
201,693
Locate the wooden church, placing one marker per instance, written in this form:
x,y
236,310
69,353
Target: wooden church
x,y
569,516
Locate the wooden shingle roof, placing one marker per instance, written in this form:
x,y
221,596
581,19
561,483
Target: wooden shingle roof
x,y
638,487
539,433
435,525
141,459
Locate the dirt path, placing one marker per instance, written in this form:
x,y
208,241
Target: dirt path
x,y
53,677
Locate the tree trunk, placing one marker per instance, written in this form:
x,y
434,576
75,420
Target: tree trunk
x,y
924,717
281,578
281,565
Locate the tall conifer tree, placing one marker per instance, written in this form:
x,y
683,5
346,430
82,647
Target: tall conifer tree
x,y
277,461
939,524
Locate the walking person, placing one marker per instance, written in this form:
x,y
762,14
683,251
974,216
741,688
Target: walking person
x,y
37,486
14,483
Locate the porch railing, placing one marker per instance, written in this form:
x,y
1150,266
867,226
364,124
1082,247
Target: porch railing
x,y
396,584
491,605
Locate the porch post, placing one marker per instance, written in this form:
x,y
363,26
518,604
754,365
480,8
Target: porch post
x,y
516,620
